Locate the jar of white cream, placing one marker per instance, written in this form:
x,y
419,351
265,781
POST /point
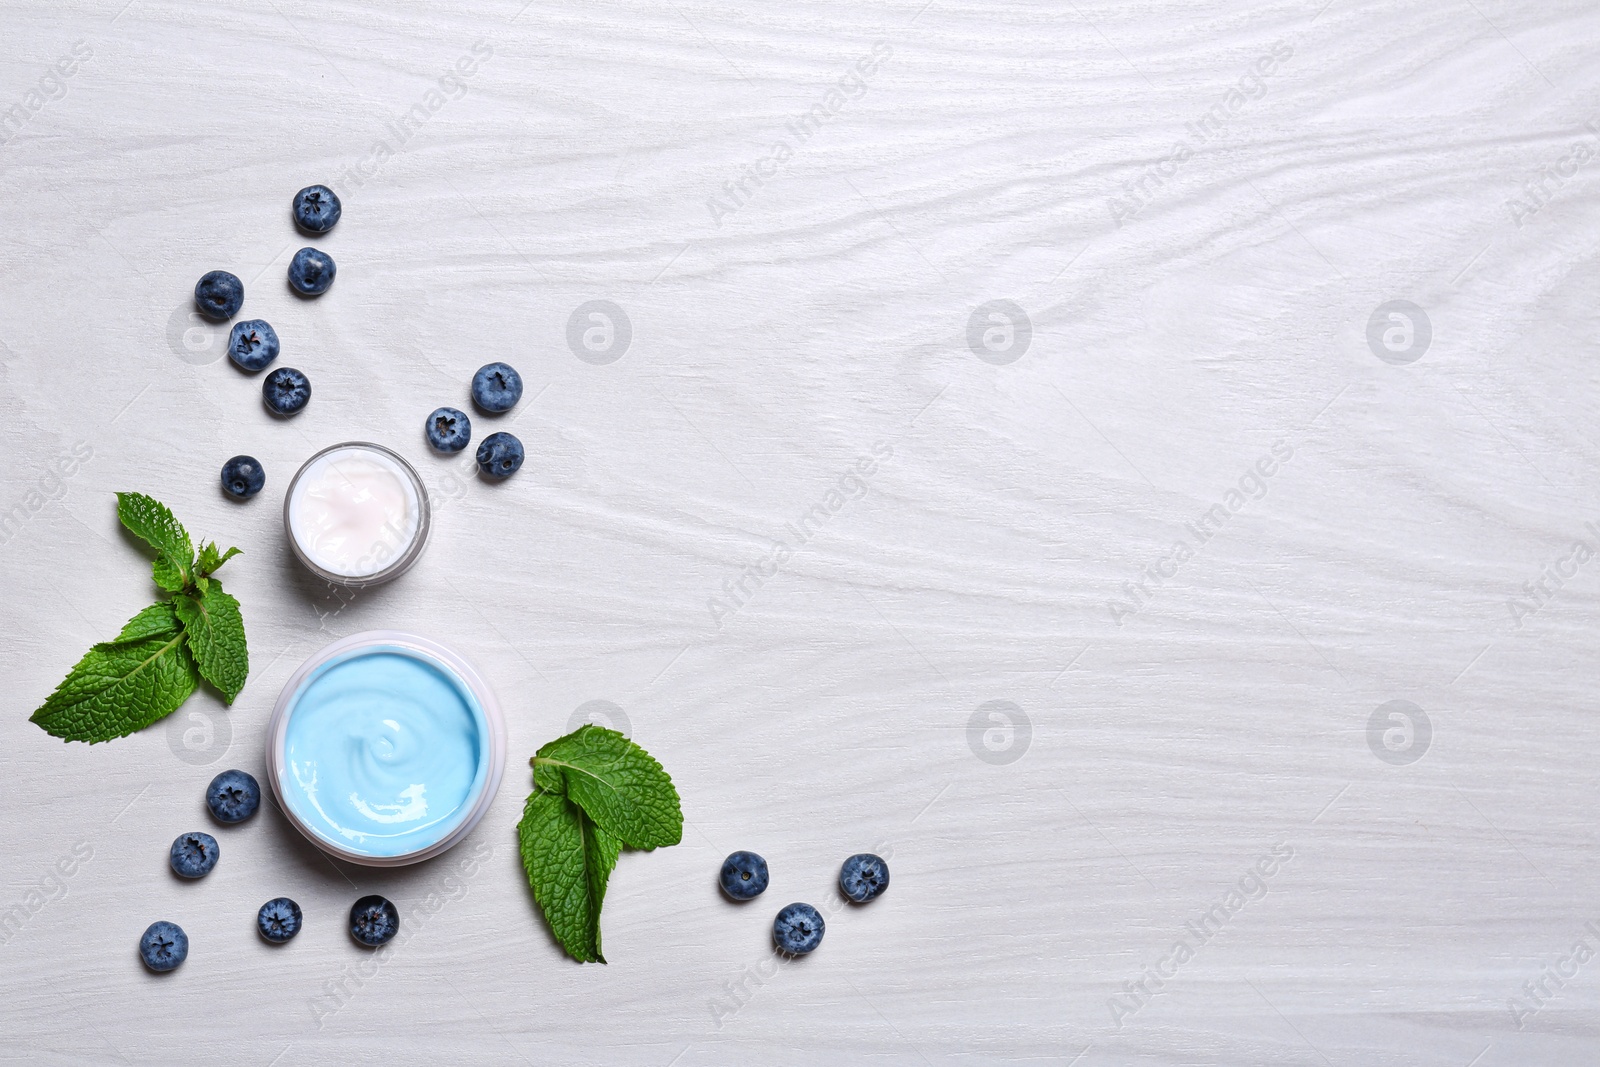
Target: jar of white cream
x,y
356,514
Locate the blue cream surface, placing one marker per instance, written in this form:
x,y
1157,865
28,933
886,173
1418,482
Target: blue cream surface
x,y
384,751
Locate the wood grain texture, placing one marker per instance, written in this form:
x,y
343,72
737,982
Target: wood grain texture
x,y
1198,207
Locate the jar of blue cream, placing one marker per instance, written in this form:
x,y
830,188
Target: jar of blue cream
x,y
385,748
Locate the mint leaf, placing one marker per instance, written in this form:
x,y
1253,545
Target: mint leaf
x,y
152,522
209,560
214,629
569,860
123,685
169,574
618,785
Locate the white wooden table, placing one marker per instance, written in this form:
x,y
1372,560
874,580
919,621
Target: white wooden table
x,y
1162,500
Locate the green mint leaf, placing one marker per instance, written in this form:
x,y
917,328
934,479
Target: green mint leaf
x,y
152,522
618,785
123,685
568,859
209,559
169,575
214,629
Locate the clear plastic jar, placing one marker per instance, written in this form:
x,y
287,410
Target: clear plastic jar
x,y
385,748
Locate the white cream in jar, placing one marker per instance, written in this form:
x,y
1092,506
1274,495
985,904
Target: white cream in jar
x,y
356,514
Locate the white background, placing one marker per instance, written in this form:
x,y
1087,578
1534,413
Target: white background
x,y
1152,758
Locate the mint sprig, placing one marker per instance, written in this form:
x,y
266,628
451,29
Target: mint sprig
x,y
158,659
594,792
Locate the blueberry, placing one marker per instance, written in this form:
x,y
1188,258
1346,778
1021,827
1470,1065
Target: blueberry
x,y
863,877
278,920
744,875
219,295
163,946
316,209
311,271
373,921
797,929
193,855
500,455
448,430
252,344
242,477
496,387
233,796
286,391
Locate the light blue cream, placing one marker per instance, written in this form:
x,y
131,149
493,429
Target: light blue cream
x,y
383,752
